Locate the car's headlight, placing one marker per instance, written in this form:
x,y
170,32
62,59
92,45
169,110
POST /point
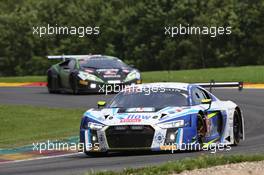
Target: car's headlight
x,y
132,76
173,124
87,76
94,126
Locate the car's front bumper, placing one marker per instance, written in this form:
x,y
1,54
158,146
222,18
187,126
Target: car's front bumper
x,y
150,137
99,87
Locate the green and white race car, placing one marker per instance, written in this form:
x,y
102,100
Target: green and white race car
x,y
89,73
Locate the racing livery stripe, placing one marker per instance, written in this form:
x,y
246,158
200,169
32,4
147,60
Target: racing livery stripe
x,y
212,115
210,142
92,118
165,109
175,117
179,137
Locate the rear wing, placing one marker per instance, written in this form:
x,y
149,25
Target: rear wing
x,y
64,57
213,84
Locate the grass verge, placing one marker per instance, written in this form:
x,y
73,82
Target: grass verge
x,y
22,125
250,74
22,79
179,166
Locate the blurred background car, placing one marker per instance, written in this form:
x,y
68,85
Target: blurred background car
x,y
89,73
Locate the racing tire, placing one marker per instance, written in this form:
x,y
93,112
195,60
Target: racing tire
x,y
53,84
237,123
96,154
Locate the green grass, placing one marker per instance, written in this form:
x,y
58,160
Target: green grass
x,y
186,164
23,79
21,125
250,74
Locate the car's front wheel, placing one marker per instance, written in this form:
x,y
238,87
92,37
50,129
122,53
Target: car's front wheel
x,y
236,127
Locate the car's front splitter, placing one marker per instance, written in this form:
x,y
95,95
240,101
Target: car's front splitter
x,y
162,139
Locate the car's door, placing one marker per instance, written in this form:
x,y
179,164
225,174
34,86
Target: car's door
x,y
213,117
65,70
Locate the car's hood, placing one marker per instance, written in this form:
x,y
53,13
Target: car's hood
x,y
137,116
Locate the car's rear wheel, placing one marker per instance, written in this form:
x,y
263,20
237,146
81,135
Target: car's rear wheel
x,y
236,128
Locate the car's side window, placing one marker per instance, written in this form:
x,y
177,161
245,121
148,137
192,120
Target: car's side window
x,y
206,95
65,64
198,95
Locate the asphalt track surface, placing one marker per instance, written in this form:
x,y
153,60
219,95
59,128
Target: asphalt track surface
x,y
250,100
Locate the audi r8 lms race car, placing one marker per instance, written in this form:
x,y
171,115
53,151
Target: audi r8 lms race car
x,y
89,73
157,116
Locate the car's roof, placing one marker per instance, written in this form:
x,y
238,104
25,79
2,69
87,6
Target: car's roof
x,y
175,85
86,57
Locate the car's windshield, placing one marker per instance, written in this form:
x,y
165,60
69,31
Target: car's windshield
x,y
102,63
159,99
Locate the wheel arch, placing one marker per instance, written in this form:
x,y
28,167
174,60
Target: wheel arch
x,y
200,137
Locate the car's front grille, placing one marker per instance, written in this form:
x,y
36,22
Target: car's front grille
x,y
129,136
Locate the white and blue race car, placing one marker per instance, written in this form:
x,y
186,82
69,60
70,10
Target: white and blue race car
x,y
161,116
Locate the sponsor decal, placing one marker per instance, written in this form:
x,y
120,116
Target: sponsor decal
x,y
138,116
159,138
178,110
107,73
133,118
149,109
175,111
114,81
127,120
110,72
107,70
112,76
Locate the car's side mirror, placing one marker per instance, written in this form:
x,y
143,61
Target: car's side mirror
x,y
101,104
207,101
